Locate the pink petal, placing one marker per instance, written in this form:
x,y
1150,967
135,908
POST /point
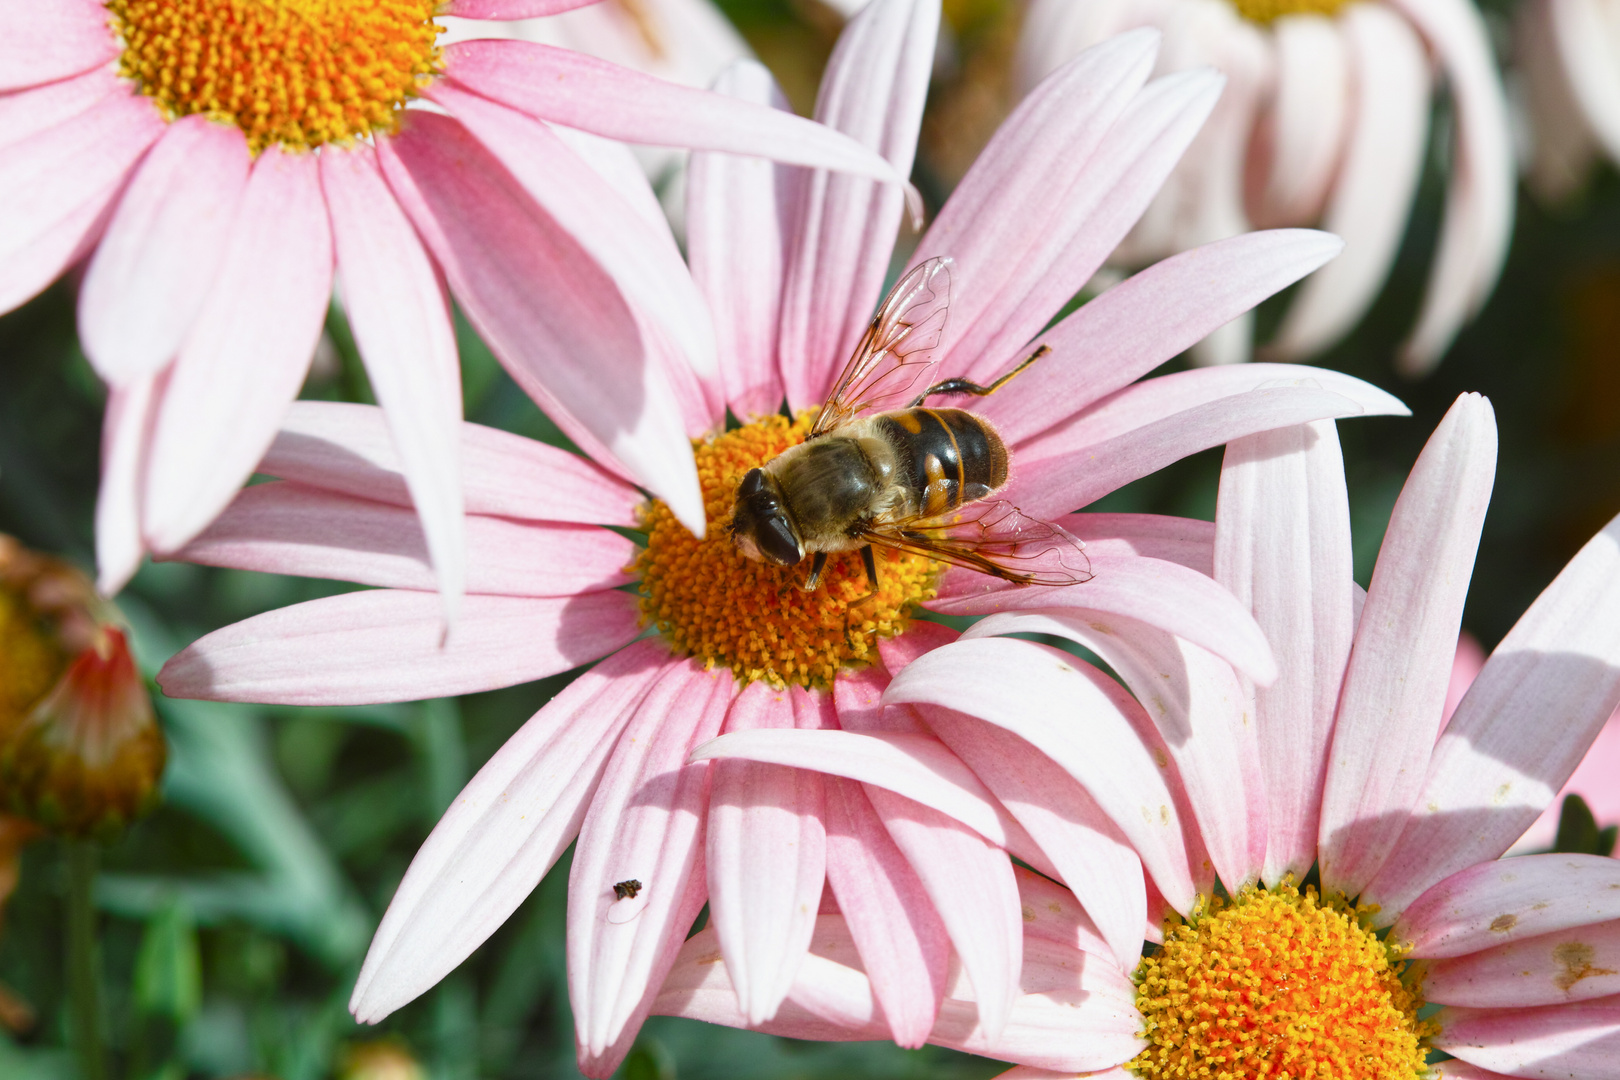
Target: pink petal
x,y
1069,468
901,939
645,824
1187,541
1492,773
288,528
1372,194
348,448
552,315
1593,781
1508,900
1036,693
154,267
44,42
1553,1042
400,316
1012,198
512,9
56,184
1400,666
567,87
1283,548
1586,72
873,90
1164,595
382,645
1479,202
246,354
1569,965
735,225
1149,318
502,833
767,860
1050,913
28,112
126,432
1465,668
1306,126
641,258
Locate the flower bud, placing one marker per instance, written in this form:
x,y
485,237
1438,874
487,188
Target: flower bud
x,y
379,1059
80,748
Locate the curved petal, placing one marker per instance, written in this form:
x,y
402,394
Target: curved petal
x,y
553,316
1552,1042
46,42
502,833
873,90
126,431
1283,547
1493,772
512,9
735,237
289,528
1479,200
348,448
401,322
645,824
1372,194
1567,965
1400,665
1305,127
1148,319
593,95
154,266
381,645
767,860
57,184
1187,541
1581,34
246,356
1507,900
29,112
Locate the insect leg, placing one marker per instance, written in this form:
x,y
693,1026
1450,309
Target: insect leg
x,y
817,565
964,386
870,562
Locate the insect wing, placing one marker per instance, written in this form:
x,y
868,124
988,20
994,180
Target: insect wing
x,y
996,538
898,349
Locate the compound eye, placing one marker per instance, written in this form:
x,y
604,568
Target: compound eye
x,y
777,542
752,483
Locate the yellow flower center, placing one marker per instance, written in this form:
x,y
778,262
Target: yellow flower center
x,y
1263,11
296,72
711,602
30,661
1279,983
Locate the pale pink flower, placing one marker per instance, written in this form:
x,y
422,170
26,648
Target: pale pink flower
x,y
1568,55
216,206
1335,764
792,272
1325,121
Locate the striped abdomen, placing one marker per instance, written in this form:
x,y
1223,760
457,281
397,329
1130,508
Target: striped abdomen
x,y
947,457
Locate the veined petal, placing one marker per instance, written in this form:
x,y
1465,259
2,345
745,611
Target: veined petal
x,y
1149,318
548,310
1283,548
29,112
247,353
289,528
46,42
873,90
645,824
596,96
1552,1042
767,859
502,833
126,431
1400,666
1566,965
1507,900
154,267
1492,772
385,645
1187,541
347,448
401,322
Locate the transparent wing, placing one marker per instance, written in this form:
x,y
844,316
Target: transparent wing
x,y
992,537
897,350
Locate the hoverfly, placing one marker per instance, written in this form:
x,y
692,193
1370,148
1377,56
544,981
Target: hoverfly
x,y
913,478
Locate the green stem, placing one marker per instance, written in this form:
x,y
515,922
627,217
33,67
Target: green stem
x,y
84,984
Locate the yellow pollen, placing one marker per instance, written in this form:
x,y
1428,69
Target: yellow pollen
x,y
1264,11
296,72
712,603
1279,983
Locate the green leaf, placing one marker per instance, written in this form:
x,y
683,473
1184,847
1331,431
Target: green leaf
x,y
168,970
1578,832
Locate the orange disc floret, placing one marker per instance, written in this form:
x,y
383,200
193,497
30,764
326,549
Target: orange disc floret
x,y
1264,11
711,602
296,72
1279,983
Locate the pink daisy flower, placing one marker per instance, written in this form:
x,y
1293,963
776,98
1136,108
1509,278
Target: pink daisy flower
x,y
1569,56
792,272
218,166
1325,121
1334,769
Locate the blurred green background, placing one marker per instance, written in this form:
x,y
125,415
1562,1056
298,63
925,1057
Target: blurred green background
x,y
235,917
